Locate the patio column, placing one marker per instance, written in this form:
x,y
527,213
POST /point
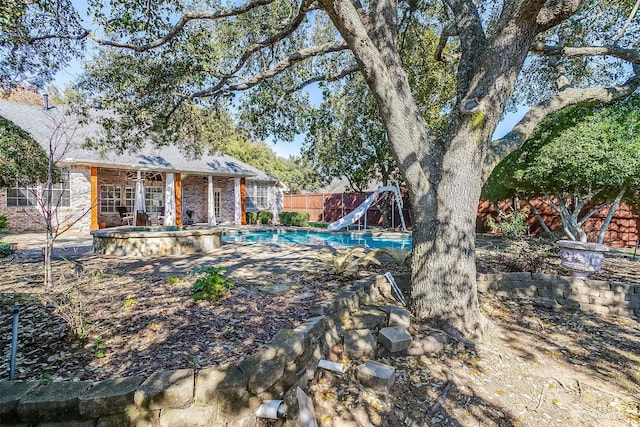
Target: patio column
x,y
178,199
170,199
93,182
211,205
243,201
237,204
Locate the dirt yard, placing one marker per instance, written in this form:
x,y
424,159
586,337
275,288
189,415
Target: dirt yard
x,y
535,367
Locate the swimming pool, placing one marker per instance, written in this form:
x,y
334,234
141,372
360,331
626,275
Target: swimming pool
x,y
320,238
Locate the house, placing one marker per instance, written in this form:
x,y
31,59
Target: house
x,y
96,184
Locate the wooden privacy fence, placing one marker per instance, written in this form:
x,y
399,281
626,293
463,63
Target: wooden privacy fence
x,y
329,207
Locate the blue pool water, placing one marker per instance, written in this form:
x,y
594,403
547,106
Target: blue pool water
x,y
319,238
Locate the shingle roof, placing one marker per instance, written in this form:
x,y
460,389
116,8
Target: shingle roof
x,y
40,124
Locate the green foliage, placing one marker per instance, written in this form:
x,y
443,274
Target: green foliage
x,y
587,153
346,262
265,217
212,285
4,221
252,218
5,249
98,347
510,225
21,158
400,256
294,219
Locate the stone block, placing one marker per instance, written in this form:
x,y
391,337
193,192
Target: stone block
x,y
394,338
312,329
262,369
130,418
166,389
359,343
365,318
10,394
348,300
288,343
398,316
598,309
195,415
527,291
225,386
109,397
55,401
306,412
376,375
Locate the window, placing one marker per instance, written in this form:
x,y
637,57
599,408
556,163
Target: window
x,y
110,198
129,198
154,199
258,196
27,196
61,194
21,197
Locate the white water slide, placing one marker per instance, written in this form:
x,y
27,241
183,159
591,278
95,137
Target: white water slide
x,y
361,210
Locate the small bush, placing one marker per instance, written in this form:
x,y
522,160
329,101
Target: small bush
x,y
296,219
265,217
5,249
4,221
252,217
510,226
347,262
212,286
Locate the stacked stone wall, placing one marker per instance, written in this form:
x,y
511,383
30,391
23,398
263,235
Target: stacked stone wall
x,y
594,296
229,396
212,396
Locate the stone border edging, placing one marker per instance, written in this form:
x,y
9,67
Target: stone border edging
x,y
185,397
594,296
230,395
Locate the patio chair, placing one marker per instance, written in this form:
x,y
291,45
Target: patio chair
x,y
160,217
125,217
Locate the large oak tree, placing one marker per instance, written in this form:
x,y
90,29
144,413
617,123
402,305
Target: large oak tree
x,y
177,55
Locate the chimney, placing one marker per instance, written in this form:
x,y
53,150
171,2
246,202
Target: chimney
x,y
45,101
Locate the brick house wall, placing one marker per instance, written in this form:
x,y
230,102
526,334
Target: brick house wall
x,y
195,193
30,218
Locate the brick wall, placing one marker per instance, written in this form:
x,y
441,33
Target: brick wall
x,y
21,219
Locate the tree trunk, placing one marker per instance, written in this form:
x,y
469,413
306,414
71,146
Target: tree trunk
x,y
443,269
612,210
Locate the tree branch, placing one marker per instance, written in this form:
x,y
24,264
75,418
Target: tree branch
x,y
555,12
448,31
630,55
634,10
513,140
322,78
288,28
278,68
182,22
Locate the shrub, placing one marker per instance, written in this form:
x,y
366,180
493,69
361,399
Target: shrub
x,y
252,217
510,226
265,217
212,286
5,249
297,219
4,221
347,262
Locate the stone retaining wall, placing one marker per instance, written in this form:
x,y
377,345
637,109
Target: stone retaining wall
x,y
595,296
211,396
229,396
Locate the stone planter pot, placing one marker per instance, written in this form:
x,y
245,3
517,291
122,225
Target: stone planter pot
x,y
581,258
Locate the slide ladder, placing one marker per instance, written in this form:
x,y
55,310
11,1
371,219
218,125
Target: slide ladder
x,y
361,210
